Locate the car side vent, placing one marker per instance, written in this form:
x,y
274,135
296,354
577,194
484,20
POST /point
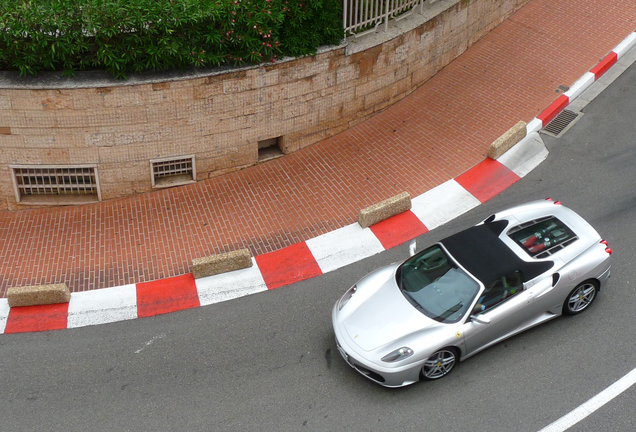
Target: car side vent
x,y
555,279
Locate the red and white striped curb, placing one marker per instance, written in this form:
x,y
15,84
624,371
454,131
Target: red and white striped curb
x,y
582,84
295,263
313,257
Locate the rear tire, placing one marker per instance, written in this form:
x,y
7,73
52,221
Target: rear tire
x,y
581,297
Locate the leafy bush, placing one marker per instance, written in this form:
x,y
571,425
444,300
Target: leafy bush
x,y
123,36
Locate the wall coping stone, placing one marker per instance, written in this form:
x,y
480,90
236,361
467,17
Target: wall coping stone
x,y
50,80
398,27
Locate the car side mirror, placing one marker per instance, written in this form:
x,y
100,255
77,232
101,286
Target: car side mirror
x,y
412,247
480,319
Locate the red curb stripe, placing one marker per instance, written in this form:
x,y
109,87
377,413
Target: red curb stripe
x,y
288,265
37,318
555,108
167,295
398,229
487,179
604,65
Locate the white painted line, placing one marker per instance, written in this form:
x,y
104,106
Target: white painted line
x,y
578,414
627,43
580,86
535,125
442,204
231,285
525,156
150,342
343,246
102,306
4,314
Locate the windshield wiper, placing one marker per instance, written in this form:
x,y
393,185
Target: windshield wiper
x,y
449,312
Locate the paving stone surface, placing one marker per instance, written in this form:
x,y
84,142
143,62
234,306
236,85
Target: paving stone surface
x,y
439,132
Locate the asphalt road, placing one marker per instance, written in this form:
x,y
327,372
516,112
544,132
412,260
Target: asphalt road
x,y
268,362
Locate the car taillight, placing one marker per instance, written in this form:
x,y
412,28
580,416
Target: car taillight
x,y
607,248
555,202
549,199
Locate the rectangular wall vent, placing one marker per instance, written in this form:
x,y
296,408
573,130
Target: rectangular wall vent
x,y
269,149
55,185
169,172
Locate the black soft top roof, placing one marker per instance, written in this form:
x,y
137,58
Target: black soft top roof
x,y
480,251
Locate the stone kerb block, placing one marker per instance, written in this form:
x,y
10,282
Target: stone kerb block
x,y
38,295
384,210
221,263
507,140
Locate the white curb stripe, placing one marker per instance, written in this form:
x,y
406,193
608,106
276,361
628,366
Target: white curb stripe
x,y
535,125
228,286
343,246
442,204
627,44
102,306
578,414
525,156
580,86
4,314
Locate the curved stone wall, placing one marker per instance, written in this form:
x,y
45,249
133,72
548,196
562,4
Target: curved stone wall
x,y
218,120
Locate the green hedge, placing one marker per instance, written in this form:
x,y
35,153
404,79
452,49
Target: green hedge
x,y
123,36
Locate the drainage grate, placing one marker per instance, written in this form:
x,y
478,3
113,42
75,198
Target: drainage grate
x,y
561,123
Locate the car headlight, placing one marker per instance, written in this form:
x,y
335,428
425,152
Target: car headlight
x,y
398,354
346,297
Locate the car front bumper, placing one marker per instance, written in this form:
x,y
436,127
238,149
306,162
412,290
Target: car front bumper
x,y
387,377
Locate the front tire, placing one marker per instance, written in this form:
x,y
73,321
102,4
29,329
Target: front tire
x,y
580,298
439,364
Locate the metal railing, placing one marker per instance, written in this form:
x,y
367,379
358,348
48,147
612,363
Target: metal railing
x,y
365,16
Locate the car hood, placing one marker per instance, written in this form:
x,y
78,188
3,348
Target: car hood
x,y
383,318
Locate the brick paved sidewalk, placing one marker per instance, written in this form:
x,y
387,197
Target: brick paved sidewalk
x,y
438,132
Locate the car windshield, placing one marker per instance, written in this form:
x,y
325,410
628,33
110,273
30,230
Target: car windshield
x,y
436,286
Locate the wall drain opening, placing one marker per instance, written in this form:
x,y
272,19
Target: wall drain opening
x,y
169,172
562,122
269,149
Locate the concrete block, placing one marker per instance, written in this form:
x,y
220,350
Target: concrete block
x,y
38,295
507,140
221,263
384,210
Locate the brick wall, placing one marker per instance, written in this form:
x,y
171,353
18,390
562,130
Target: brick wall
x,y
221,117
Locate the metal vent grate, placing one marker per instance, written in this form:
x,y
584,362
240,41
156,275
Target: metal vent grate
x,y
55,181
561,122
172,172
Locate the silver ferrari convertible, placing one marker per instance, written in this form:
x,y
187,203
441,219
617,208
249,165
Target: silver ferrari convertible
x,y
515,270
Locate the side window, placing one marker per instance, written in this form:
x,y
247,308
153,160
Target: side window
x,y
499,291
